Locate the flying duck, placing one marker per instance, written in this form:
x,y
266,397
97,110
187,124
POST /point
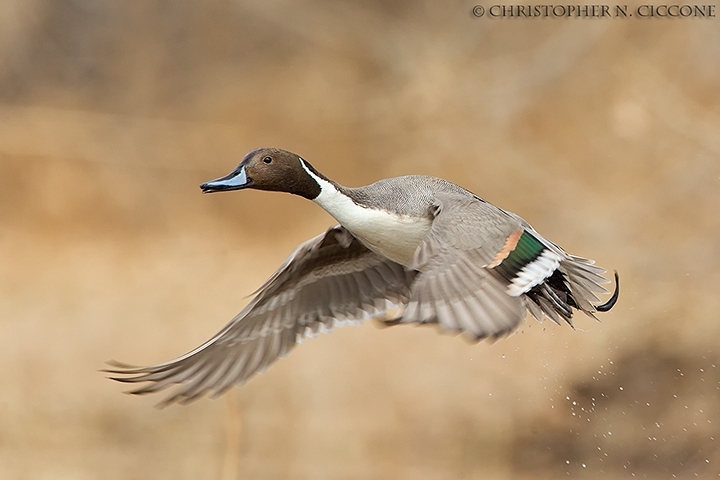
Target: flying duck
x,y
412,249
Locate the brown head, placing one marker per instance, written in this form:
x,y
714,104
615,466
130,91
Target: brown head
x,y
269,169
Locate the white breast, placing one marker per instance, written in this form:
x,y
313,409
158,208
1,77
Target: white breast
x,y
393,236
389,234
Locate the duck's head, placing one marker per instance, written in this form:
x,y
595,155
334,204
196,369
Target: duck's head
x,y
269,169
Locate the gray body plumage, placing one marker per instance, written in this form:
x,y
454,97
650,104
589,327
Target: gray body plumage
x,y
422,248
407,195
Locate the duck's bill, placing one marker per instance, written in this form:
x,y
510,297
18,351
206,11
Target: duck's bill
x,y
236,180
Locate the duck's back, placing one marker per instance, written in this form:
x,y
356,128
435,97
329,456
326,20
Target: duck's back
x,y
411,195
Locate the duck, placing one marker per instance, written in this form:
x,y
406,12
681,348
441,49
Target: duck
x,y
407,250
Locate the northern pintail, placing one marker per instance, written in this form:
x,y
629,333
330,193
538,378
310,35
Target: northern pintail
x,y
411,249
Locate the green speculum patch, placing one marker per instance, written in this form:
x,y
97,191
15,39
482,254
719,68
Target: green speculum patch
x,y
527,249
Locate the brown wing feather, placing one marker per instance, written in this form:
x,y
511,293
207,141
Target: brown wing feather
x,y
328,280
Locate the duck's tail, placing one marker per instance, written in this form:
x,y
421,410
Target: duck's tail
x,y
574,284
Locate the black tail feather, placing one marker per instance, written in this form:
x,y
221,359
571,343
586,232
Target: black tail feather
x,y
613,300
556,292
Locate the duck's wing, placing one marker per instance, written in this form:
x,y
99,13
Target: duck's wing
x,y
455,286
482,268
329,280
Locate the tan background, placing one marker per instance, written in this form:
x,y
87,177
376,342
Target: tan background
x,y
602,133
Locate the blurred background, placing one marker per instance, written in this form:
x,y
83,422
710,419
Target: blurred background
x,y
602,133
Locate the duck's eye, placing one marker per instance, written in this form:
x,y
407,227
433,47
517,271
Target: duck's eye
x,y
267,159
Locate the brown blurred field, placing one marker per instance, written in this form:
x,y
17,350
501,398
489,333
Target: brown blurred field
x,y
604,134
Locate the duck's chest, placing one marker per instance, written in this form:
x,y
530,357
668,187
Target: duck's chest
x,y
390,234
393,236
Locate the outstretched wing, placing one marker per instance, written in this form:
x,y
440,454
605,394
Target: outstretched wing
x,y
329,280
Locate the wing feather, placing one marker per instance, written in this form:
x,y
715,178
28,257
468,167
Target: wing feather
x,y
328,280
455,287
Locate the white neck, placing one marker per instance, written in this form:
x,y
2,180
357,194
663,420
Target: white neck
x,y
389,234
332,200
